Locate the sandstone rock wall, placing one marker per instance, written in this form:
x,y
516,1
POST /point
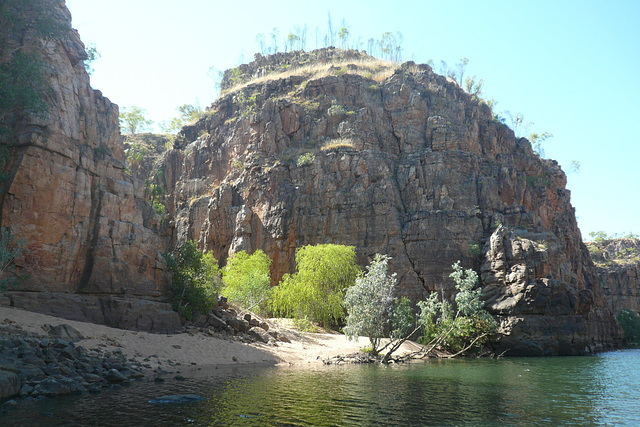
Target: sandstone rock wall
x,y
418,170
68,194
618,271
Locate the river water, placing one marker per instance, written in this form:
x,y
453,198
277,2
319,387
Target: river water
x,y
576,391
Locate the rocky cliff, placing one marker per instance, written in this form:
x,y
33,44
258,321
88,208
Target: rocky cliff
x,y
67,194
336,147
618,271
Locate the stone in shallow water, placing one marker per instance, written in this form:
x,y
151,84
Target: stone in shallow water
x,y
178,398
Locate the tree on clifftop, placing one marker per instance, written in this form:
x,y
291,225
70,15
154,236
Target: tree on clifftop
x,y
187,113
133,119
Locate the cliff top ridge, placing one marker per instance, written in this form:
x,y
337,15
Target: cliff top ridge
x,y
298,62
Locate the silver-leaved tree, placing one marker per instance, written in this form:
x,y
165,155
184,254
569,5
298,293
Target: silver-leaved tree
x,y
374,312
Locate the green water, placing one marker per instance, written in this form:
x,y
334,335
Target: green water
x,y
596,390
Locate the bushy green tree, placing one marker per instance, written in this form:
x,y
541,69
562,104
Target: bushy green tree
x,y
374,312
316,290
11,249
369,302
461,329
133,119
630,323
247,280
195,279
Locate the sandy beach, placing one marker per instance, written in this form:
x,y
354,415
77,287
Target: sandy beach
x,y
194,348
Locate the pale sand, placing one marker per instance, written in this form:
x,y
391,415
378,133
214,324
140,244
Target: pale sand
x,y
197,349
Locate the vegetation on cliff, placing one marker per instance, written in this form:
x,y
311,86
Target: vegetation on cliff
x,y
23,88
611,251
134,119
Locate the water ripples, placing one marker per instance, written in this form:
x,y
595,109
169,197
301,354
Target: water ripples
x,y
599,390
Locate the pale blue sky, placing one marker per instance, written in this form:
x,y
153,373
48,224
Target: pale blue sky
x,y
570,67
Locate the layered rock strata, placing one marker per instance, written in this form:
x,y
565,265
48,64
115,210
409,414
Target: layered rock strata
x,y
395,160
618,271
68,195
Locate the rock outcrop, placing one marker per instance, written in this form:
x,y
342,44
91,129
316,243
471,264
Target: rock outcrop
x,y
67,194
53,365
395,160
618,271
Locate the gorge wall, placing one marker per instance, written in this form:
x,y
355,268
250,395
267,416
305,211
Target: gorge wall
x,y
336,147
329,146
618,271
90,253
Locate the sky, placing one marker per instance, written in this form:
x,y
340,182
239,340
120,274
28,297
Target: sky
x,y
571,68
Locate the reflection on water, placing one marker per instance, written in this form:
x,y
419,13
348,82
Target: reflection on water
x,y
599,390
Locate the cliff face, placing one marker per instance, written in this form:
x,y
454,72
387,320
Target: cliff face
x,y
394,160
618,271
69,197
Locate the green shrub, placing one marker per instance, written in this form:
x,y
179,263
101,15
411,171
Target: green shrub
x,y
630,323
316,291
475,250
237,165
137,152
195,279
159,208
247,280
337,110
305,159
458,330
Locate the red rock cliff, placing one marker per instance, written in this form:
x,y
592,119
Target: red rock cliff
x,y
398,161
69,197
